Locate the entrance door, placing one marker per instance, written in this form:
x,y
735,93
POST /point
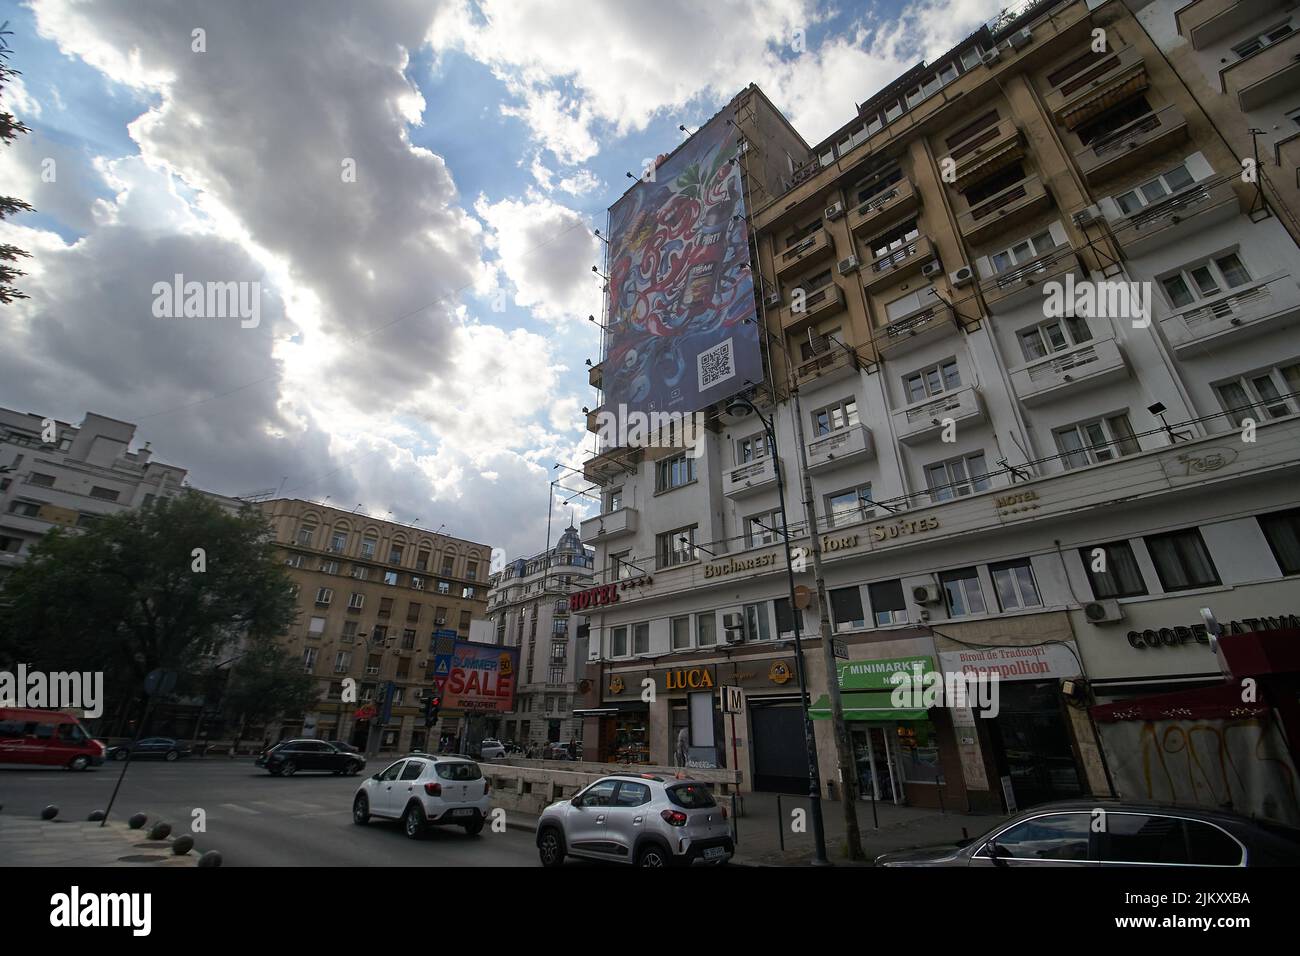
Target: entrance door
x,y
1032,744
873,755
780,753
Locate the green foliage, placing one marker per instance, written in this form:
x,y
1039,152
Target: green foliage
x,y
10,128
268,683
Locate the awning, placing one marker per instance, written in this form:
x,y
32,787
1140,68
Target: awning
x,y
1220,702
865,706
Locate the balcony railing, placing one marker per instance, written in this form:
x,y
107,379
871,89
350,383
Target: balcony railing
x,y
1264,305
986,152
1098,86
925,421
896,200
750,478
914,329
1000,212
817,305
832,365
842,446
1264,76
1012,287
1091,363
810,249
1165,221
1132,143
612,524
898,263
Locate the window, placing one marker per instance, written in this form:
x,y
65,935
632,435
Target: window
x,y
1103,439
306,535
395,554
706,629
408,639
887,603
357,601
618,642
41,481
443,586
316,625
632,794
681,631
1260,41
338,541
1154,190
752,448
28,509
1204,280
846,609
962,592
368,547
1282,529
324,595
1108,129
329,567
1022,252
390,577
1013,582
467,591
309,656
619,568
641,638
990,186
1148,838
294,561
676,547
555,676
360,572
847,507
446,565
1113,571
1059,335
559,651
1262,396
756,624
971,129
464,621
342,662
874,185
349,632
1182,561
674,472
1057,836
894,246
834,417
932,381
417,582
103,494
762,528
957,477
613,500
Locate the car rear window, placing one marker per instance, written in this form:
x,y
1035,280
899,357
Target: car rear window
x,y
455,770
691,795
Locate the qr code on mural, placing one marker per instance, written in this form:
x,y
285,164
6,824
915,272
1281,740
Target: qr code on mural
x,y
716,365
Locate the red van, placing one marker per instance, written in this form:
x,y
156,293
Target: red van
x,y
47,738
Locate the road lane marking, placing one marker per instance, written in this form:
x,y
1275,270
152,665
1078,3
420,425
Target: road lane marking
x,y
235,806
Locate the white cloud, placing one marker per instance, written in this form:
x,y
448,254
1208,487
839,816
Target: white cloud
x,y
25,106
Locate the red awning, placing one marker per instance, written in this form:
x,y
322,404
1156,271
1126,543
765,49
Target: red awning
x,y
1221,702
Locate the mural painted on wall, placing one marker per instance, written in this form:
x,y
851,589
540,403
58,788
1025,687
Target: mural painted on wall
x,y
682,328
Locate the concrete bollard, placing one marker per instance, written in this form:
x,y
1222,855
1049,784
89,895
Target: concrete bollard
x,y
160,831
50,812
183,844
210,859
95,816
137,821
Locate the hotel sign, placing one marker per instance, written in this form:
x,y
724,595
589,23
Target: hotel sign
x,y
593,597
885,532
733,565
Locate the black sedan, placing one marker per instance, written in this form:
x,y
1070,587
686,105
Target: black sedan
x,y
1116,833
163,748
291,756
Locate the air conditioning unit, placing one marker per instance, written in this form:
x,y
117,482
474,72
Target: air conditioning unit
x,y
1020,39
925,594
932,269
372,671
1086,216
834,210
773,298
989,57
848,265
1103,612
961,277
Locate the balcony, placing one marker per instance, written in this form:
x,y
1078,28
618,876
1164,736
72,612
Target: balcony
x,y
925,421
896,201
1176,217
1262,77
596,375
1011,207
1097,87
1135,143
608,526
897,265
1265,305
986,152
833,365
1205,22
818,305
1014,287
611,463
750,478
1064,374
914,330
846,446
593,420
806,251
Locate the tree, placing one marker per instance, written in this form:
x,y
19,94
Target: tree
x,y
266,684
170,585
9,130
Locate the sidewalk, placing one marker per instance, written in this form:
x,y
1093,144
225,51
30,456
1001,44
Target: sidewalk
x,y
760,835
28,841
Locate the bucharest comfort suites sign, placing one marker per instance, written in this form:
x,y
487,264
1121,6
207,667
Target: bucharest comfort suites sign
x,y
830,543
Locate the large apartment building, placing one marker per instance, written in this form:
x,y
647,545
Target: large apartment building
x,y
528,605
371,595
1005,475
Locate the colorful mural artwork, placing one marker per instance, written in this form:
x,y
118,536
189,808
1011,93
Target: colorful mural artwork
x,y
682,320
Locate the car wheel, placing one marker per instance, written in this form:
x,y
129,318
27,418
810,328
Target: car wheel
x,y
475,828
171,755
361,810
652,855
274,771
550,849
289,768
413,822
119,755
354,770
79,763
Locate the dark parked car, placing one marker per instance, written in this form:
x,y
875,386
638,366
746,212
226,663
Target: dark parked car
x,y
165,748
290,756
344,746
1116,833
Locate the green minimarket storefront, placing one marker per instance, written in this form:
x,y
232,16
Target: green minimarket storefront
x,y
895,749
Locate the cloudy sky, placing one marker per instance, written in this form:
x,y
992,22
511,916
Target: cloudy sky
x,y
414,186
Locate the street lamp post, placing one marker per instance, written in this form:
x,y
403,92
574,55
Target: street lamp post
x,y
741,406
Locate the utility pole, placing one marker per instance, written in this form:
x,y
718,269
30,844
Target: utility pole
x,y
843,748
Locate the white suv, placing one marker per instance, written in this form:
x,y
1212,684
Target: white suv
x,y
491,749
425,790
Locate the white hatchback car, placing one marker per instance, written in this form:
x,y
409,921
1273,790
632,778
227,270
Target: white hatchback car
x,y
425,790
491,749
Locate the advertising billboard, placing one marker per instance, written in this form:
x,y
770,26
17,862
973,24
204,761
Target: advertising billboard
x,y
478,678
682,330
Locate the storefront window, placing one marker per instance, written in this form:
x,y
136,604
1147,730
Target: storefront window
x,y
630,740
918,750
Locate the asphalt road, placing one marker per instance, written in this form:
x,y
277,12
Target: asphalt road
x,y
255,819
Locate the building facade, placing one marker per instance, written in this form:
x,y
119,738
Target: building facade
x,y
1039,347
371,595
528,605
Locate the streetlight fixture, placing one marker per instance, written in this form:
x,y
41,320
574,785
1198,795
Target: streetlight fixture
x,y
740,407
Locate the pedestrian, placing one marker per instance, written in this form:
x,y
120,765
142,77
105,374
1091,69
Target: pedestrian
x,y
573,747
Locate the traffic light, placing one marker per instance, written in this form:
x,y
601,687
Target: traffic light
x,y
432,702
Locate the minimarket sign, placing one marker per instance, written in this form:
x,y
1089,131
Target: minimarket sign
x,y
883,674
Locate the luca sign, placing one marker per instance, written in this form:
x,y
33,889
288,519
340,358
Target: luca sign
x,y
481,679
